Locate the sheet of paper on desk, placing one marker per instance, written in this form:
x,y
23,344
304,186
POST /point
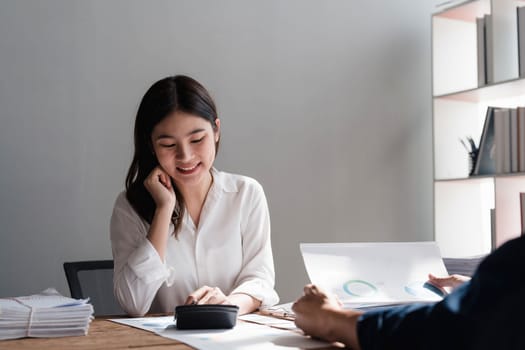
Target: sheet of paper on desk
x,y
368,274
269,321
245,336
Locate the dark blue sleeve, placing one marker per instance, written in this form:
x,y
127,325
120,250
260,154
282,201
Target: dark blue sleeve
x,y
486,313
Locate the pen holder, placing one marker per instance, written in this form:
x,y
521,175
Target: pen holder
x,y
472,157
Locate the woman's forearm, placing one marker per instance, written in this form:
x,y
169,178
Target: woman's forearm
x,y
159,230
245,302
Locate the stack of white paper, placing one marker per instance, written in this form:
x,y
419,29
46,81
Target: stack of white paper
x,y
48,314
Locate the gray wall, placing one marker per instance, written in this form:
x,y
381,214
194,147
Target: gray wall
x,y
326,103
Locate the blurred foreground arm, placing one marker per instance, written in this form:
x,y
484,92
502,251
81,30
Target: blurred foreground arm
x,y
484,313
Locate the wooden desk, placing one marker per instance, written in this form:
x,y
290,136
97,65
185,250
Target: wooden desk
x,y
103,334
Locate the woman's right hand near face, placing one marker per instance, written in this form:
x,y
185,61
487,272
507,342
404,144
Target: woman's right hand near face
x,y
158,183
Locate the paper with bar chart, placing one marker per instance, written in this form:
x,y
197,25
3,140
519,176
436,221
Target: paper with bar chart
x,y
371,274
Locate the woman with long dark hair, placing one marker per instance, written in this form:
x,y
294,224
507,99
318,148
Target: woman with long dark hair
x,y
184,232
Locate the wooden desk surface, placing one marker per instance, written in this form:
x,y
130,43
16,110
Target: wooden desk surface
x,y
103,334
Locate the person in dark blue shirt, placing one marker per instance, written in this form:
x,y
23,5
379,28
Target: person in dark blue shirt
x,y
487,312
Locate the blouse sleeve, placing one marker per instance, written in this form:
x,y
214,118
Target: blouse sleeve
x,y
139,271
257,277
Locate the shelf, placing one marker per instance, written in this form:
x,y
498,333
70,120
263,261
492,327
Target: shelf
x,y
473,214
463,213
466,11
462,217
480,177
509,88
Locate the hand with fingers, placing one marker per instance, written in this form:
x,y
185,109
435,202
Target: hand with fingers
x,y
321,315
158,183
447,282
207,295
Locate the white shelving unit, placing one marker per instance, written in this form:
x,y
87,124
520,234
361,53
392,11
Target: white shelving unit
x,y
462,205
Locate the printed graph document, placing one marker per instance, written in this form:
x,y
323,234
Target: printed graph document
x,y
245,336
371,274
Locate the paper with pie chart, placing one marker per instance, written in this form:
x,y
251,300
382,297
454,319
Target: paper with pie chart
x,y
370,274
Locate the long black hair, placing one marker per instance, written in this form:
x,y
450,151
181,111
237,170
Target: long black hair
x,y
175,93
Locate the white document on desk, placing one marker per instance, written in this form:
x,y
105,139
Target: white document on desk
x,y
244,336
371,274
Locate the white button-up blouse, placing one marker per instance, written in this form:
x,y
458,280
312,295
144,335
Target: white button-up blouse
x,y
231,249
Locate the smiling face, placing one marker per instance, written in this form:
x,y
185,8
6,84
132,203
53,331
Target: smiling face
x,y
185,146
